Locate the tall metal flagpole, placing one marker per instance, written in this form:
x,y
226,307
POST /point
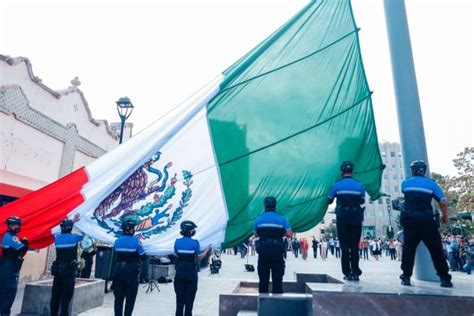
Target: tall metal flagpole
x,y
410,121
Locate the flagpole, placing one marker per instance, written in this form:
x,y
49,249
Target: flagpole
x,y
410,120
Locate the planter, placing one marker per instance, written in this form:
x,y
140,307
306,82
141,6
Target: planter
x,y
88,294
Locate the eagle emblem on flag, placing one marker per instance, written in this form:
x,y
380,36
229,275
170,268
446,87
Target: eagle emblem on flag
x,y
146,199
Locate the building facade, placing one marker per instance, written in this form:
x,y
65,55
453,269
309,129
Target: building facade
x,y
44,135
379,215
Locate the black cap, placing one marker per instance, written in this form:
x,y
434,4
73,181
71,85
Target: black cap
x,y
270,202
67,225
127,225
418,167
187,226
13,220
347,166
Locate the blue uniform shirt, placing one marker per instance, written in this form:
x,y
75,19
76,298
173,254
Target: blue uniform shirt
x,y
187,245
349,192
66,246
271,225
67,240
128,244
10,241
419,191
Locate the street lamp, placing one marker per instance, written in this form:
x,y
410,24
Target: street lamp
x,y
124,109
389,210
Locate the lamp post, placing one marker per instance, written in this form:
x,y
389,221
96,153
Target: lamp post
x,y
389,210
124,109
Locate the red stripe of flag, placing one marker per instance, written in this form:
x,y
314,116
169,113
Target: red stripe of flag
x,y
45,208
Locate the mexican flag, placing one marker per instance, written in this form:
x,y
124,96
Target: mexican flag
x,y
278,122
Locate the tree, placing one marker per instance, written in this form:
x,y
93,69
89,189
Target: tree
x,y
459,191
463,183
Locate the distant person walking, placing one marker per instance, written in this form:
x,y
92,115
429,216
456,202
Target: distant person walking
x,y
314,245
337,248
304,248
324,249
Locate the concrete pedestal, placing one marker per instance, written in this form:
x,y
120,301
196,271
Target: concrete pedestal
x,y
88,294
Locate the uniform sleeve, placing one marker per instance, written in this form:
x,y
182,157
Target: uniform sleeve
x,y
140,249
332,194
197,247
255,225
402,186
16,243
438,195
78,237
175,249
286,224
362,195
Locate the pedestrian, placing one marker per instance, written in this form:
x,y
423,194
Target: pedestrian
x,y
296,247
337,247
252,246
304,248
391,247
13,251
270,227
419,222
350,196
469,266
324,249
331,245
376,247
366,249
314,245
64,268
189,253
88,252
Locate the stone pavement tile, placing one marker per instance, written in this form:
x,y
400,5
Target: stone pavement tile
x,y
384,272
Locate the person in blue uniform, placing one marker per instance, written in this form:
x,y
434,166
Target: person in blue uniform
x,y
270,227
189,255
13,250
350,195
128,253
420,224
64,268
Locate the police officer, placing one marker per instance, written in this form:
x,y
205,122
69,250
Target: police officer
x,y
13,250
189,255
350,196
64,268
128,253
420,224
270,228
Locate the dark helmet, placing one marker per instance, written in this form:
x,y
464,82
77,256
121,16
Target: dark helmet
x,y
187,226
13,220
270,202
418,167
347,167
128,225
67,225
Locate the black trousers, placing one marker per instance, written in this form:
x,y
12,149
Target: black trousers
x,y
86,272
61,295
421,227
125,289
315,252
185,289
338,252
270,261
8,288
349,237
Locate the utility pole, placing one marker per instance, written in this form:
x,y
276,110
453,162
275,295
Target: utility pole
x,y
410,121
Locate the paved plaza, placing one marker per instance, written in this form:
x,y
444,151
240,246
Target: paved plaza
x,y
383,272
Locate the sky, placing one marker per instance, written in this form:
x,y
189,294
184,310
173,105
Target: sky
x,y
159,52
